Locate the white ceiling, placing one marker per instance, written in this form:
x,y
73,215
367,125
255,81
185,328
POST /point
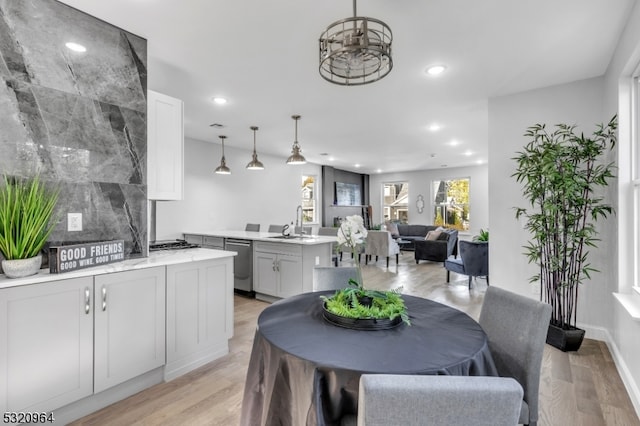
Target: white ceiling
x,y
263,57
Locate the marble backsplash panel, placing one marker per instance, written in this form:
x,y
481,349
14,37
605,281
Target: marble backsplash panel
x,y
76,118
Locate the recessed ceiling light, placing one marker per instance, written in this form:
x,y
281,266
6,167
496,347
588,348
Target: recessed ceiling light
x,y
219,100
75,47
454,142
436,69
468,153
379,171
479,162
357,166
434,127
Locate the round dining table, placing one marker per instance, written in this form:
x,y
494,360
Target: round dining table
x,y
305,370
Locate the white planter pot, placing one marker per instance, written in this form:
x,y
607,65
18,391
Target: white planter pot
x,y
19,268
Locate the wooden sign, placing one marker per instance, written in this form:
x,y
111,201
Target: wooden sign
x,y
80,256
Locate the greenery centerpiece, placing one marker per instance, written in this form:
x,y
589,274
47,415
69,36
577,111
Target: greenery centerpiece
x,y
354,301
26,209
562,173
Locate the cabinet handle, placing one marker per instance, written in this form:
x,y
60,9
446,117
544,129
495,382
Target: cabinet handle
x,y
104,298
273,265
278,266
87,300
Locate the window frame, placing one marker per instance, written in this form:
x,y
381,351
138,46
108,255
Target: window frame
x,y
314,200
433,205
386,206
635,177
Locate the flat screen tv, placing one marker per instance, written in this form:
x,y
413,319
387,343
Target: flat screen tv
x,y
348,194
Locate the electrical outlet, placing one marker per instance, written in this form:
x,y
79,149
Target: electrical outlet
x,y
74,221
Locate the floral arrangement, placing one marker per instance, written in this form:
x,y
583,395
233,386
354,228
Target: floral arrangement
x,y
355,301
352,234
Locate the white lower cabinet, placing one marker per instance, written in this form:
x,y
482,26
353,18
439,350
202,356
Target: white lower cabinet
x,y
129,325
46,345
68,339
199,313
277,269
72,346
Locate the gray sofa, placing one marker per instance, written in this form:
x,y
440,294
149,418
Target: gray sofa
x,y
436,250
412,232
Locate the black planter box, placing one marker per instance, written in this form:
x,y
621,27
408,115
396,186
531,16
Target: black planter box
x,y
565,339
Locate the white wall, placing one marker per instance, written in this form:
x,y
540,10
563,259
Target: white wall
x,y
222,202
509,116
420,184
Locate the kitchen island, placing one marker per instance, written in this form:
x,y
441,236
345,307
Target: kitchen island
x,y
75,342
280,267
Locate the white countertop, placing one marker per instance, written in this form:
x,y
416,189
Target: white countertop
x,y
267,237
156,258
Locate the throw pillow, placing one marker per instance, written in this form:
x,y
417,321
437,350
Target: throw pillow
x,y
392,228
432,235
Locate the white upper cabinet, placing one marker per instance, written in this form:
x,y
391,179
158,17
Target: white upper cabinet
x,y
165,147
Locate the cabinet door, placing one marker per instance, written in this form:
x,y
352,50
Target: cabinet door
x,y
129,325
46,344
199,313
264,273
165,152
290,275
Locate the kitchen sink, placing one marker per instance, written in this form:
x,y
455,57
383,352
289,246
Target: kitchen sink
x,y
292,237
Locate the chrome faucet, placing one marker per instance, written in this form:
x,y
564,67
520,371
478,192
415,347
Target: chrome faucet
x,y
299,209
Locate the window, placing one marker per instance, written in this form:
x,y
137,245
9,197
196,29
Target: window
x,y
451,203
635,177
396,201
309,210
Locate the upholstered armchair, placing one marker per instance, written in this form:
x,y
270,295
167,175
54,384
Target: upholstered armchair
x,y
438,249
380,243
473,260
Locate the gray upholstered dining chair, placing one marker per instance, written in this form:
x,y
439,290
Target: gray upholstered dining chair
x,y
517,329
473,260
380,243
333,278
254,227
276,228
413,400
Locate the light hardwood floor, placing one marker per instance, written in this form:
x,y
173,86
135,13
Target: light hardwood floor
x,y
580,388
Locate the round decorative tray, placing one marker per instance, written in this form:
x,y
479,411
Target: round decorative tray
x,y
360,323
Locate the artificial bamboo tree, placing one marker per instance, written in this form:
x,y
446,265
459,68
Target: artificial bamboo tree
x,y
563,175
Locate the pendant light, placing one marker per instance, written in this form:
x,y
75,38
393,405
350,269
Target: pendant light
x,y
296,157
222,169
255,164
355,51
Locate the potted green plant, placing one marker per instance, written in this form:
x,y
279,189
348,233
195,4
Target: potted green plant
x,y
562,174
483,236
357,307
26,209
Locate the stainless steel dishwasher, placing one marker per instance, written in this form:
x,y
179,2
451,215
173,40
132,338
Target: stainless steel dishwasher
x,y
242,265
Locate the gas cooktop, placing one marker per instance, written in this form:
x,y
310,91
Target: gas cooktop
x,y
171,245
